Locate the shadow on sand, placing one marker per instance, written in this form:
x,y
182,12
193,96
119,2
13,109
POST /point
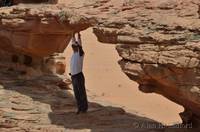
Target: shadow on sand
x,y
44,90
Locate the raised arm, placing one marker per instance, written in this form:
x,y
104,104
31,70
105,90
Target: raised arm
x,y
73,39
79,39
81,52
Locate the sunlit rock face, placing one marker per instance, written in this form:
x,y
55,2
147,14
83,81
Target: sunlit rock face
x,y
37,31
159,43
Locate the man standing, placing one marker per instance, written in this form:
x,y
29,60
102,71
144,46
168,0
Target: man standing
x,y
78,79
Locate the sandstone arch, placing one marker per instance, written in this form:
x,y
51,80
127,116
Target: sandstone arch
x,y
160,52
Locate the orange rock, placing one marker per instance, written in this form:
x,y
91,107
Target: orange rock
x,y
40,30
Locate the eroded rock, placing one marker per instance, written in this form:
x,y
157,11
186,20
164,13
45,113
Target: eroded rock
x,y
158,40
159,45
32,33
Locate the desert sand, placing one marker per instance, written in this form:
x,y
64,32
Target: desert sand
x,y
108,85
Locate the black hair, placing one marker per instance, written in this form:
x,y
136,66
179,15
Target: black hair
x,y
81,52
75,48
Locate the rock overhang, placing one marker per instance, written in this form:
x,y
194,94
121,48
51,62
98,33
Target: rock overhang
x,y
158,50
158,42
39,30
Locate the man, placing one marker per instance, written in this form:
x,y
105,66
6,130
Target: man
x,y
78,79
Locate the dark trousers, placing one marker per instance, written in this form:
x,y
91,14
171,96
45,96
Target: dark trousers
x,y
78,82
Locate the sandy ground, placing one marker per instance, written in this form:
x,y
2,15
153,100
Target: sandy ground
x,y
107,84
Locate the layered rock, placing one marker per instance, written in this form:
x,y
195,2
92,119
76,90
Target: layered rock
x,y
35,32
159,42
40,105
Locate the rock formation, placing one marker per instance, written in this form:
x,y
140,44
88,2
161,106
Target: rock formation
x,y
37,31
158,41
40,105
159,44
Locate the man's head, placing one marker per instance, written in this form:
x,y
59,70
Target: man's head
x,y
75,46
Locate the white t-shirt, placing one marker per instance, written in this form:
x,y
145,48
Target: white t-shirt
x,y
76,63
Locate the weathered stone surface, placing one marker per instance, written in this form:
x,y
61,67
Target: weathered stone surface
x,y
38,30
32,34
39,105
158,41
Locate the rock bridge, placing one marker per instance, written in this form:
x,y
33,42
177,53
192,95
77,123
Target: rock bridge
x,y
157,40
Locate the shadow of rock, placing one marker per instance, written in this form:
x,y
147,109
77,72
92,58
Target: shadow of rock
x,y
39,105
